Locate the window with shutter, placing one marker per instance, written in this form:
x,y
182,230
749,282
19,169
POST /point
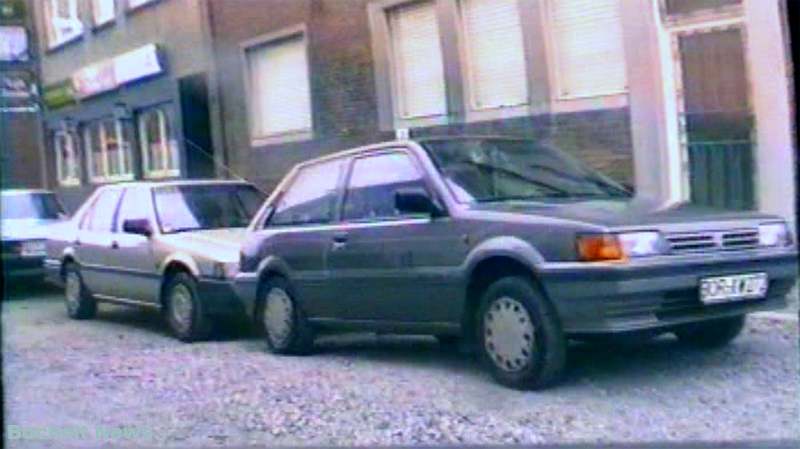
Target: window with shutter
x,y
417,59
280,96
495,53
588,47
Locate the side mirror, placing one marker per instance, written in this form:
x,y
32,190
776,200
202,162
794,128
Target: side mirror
x,y
415,201
139,226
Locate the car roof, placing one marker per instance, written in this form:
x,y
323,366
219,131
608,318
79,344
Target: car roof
x,y
377,147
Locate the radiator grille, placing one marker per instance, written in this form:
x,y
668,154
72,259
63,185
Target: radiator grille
x,y
690,242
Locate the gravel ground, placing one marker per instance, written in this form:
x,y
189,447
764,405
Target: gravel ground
x,y
122,370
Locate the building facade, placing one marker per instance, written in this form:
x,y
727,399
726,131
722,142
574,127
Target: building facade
x,y
687,100
126,87
21,157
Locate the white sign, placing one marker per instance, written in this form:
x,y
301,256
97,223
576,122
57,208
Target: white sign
x,y
13,43
112,73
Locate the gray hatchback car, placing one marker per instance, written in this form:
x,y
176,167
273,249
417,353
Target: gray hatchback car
x,y
507,243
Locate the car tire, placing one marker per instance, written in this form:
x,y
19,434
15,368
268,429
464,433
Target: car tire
x,y
519,335
711,334
80,303
184,310
283,323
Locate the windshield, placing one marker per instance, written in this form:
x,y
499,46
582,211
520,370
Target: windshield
x,y
206,206
40,206
485,170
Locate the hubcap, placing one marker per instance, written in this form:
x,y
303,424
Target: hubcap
x,y
508,334
73,291
278,315
181,306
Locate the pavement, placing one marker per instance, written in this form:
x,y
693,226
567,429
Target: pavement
x,y
120,379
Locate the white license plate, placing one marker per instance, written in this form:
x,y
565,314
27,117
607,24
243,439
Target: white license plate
x,y
30,249
733,288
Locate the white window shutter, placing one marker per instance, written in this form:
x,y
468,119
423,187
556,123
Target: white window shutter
x,y
496,54
417,58
589,52
280,96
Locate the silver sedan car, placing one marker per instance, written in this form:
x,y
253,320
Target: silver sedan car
x,y
172,246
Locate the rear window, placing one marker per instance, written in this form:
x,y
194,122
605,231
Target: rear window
x,y
42,206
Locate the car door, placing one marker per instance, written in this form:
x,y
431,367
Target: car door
x,y
389,266
131,255
93,242
301,227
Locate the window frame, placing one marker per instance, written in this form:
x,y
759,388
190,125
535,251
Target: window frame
x,y
167,133
345,187
149,214
125,151
278,37
53,39
272,203
577,102
96,24
88,214
74,145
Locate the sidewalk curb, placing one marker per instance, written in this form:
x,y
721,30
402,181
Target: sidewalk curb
x,y
778,316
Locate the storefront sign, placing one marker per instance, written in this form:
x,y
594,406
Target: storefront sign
x,y
58,95
113,73
18,92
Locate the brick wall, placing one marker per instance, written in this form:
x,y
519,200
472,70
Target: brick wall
x,y
344,100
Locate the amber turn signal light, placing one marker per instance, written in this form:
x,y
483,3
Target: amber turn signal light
x,y
600,247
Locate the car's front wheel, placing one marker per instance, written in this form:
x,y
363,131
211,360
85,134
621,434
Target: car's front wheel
x,y
711,334
283,322
80,303
184,310
520,336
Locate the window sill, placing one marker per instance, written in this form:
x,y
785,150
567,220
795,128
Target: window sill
x,y
286,137
133,10
162,174
420,122
52,48
98,27
112,179
590,103
69,183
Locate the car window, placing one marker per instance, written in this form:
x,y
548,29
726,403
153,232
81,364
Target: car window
x,y
100,217
136,204
311,197
187,208
373,183
42,206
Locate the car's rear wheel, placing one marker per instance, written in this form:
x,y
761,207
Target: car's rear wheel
x,y
519,335
711,334
184,310
80,303
283,322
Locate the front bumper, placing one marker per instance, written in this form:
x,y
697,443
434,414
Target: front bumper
x,y
660,293
246,287
22,266
218,297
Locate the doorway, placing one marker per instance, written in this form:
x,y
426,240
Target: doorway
x,y
196,126
715,116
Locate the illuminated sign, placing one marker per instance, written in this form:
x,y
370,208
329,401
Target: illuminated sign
x,y
58,95
111,73
18,92
13,43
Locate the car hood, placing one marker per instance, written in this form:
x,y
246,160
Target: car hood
x,y
26,229
217,244
636,212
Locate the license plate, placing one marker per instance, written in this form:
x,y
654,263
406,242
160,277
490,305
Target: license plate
x,y
30,249
733,288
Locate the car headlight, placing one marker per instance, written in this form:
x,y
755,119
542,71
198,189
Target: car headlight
x,y
620,247
774,234
225,270
641,244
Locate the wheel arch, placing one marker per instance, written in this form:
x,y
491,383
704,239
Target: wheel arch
x,y
169,270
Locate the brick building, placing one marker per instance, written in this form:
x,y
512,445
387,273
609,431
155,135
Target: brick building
x,y
20,115
126,91
684,99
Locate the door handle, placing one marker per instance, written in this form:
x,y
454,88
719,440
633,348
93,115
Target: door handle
x,y
339,241
114,245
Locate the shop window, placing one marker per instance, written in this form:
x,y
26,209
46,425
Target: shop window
x,y
103,11
107,146
68,164
495,53
280,97
588,47
62,21
160,157
418,64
